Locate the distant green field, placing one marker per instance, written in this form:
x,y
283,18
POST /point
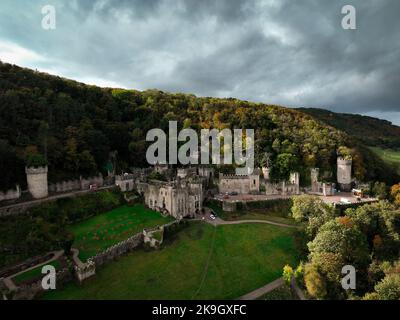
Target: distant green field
x,y
391,157
199,262
102,231
34,273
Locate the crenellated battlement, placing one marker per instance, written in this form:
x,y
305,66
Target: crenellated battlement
x,y
343,161
36,170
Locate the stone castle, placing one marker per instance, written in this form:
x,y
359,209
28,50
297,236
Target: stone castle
x,y
181,195
182,192
180,198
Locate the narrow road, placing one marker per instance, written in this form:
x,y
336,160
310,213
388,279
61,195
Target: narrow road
x,y
263,290
219,222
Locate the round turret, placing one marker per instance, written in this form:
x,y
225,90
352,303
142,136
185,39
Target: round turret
x,y
37,181
344,173
265,172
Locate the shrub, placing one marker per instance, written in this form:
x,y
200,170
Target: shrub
x,y
389,287
314,281
287,274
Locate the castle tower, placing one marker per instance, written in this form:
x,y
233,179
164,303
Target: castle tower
x,y
265,172
295,180
314,179
37,181
344,173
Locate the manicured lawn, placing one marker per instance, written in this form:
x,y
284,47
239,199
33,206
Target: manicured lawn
x,y
100,232
255,214
34,273
391,157
243,258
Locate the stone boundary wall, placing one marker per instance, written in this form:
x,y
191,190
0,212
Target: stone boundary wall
x,y
64,186
30,291
61,186
118,249
77,184
10,194
19,208
87,269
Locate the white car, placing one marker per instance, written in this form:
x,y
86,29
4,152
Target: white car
x,y
212,217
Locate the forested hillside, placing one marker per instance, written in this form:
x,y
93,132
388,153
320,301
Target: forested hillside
x,y
370,131
79,129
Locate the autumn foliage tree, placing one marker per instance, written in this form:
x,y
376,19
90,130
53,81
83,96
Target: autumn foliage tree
x,y
395,194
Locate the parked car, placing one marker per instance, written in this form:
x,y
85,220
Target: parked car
x,y
93,187
212,217
233,193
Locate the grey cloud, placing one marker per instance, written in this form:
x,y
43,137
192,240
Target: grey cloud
x,y
286,52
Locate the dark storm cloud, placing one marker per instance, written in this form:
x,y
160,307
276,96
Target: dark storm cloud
x,y
286,52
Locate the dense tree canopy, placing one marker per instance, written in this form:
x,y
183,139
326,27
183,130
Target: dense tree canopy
x,y
77,127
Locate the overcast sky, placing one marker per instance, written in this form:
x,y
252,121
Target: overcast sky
x,y
288,52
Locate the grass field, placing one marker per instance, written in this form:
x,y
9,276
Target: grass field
x,y
199,262
391,157
100,232
34,273
255,214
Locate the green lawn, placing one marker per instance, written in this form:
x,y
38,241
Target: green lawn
x,y
255,214
102,231
34,273
391,157
243,257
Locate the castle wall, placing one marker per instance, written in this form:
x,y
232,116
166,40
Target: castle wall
x,y
65,186
78,184
10,194
125,182
291,187
37,181
239,184
86,182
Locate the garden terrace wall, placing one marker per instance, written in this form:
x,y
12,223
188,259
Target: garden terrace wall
x,y
31,291
118,249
